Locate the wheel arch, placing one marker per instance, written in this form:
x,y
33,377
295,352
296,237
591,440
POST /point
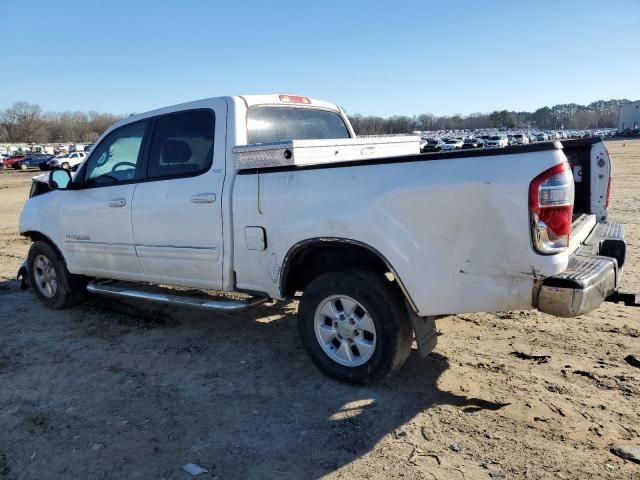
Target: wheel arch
x,y
314,256
36,236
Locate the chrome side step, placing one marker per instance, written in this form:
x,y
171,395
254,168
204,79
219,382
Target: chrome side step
x,y
113,288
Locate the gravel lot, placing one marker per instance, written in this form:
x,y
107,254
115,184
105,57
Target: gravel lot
x,y
122,390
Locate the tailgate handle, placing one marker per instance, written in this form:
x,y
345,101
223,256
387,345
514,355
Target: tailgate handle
x,y
117,202
203,198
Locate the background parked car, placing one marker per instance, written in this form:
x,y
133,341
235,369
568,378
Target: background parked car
x,y
472,143
9,161
452,144
32,161
498,141
541,137
520,139
66,161
433,145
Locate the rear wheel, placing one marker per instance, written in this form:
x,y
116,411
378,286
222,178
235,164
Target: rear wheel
x,y
23,166
65,165
52,283
354,325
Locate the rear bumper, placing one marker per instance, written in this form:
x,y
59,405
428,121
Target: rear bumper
x,y
593,274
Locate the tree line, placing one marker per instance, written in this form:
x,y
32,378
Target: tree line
x,y
26,122
598,114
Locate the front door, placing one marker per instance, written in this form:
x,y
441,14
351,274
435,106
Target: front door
x,y
96,217
177,210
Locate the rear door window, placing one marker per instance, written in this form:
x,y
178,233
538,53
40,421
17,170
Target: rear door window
x,y
182,144
275,124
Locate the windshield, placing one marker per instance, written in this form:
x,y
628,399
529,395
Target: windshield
x,y
276,124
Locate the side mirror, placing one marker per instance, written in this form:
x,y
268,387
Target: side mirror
x,y
59,179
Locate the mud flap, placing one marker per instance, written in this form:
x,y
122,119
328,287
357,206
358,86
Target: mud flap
x,y
424,329
23,277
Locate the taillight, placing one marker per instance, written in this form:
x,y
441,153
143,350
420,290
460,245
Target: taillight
x,y
551,209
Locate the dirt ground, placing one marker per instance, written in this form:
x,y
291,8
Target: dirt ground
x,y
120,390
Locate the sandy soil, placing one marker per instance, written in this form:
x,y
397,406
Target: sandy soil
x,y
114,390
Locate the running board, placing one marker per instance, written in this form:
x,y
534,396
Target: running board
x,y
112,288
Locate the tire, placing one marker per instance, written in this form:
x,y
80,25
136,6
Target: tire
x,y
23,166
69,289
379,300
65,165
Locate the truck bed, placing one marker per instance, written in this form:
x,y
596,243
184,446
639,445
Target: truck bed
x,y
462,216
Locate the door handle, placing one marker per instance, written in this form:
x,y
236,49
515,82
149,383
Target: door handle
x,y
117,202
203,197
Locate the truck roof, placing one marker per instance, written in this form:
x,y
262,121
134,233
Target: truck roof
x,y
277,99
249,100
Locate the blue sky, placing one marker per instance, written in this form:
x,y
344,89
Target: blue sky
x,y
383,58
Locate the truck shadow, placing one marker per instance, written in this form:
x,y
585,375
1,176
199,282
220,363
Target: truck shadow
x,y
237,395
279,415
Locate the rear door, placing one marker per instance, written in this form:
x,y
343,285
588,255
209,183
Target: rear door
x,y
177,209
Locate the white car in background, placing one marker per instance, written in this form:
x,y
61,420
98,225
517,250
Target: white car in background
x,y
541,137
496,141
452,144
520,139
67,161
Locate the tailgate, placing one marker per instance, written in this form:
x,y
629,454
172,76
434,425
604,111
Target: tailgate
x,y
591,168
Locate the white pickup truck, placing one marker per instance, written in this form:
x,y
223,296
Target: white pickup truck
x,y
273,195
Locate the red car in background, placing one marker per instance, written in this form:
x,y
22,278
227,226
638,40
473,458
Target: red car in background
x,y
8,162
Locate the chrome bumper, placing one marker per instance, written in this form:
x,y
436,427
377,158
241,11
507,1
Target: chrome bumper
x,y
592,275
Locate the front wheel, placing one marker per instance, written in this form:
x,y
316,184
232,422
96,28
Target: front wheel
x,y
354,325
65,165
52,283
23,166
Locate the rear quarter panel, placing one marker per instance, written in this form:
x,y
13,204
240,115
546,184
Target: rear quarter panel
x,y
455,230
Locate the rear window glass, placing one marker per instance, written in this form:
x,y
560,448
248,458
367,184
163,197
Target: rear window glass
x,y
276,124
